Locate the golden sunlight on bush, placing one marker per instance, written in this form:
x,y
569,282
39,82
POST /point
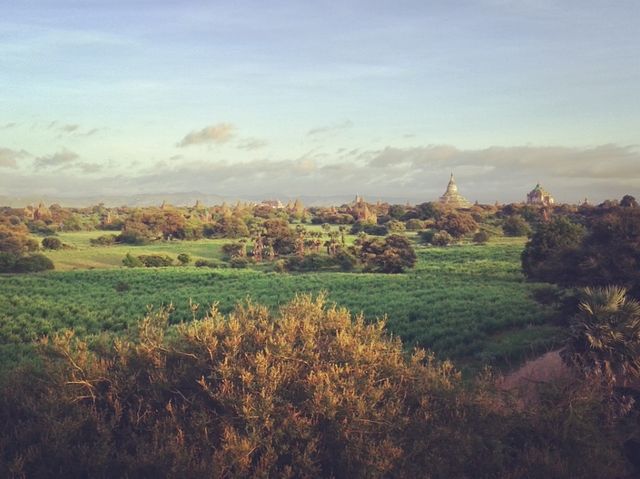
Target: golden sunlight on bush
x,y
308,392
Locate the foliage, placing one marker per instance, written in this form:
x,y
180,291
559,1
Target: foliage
x,y
307,392
551,252
606,252
610,253
51,242
441,238
368,228
481,237
464,302
104,240
396,227
414,224
131,261
32,263
239,263
604,337
278,233
342,261
232,227
234,250
184,258
394,254
516,225
155,260
457,224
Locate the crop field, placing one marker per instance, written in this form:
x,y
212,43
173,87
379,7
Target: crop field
x,y
469,303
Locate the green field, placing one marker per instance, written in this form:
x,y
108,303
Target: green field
x,y
468,302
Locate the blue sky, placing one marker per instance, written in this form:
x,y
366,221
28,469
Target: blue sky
x,y
311,97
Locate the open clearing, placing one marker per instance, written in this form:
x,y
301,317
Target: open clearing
x,y
469,302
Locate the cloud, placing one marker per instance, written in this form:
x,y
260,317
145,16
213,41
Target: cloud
x,y
323,130
91,132
250,144
69,128
63,158
218,134
89,167
417,174
8,158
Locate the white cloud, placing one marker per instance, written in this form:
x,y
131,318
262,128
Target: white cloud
x,y
327,129
250,144
62,158
218,134
418,174
8,157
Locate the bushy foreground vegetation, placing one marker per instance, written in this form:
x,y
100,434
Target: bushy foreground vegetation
x,y
307,392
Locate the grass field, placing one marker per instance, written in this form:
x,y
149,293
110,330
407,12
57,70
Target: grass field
x,y
469,302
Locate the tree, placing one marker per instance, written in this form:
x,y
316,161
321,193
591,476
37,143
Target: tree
x,y
232,227
628,201
604,337
279,236
51,242
516,225
441,238
32,263
457,224
610,253
551,254
392,254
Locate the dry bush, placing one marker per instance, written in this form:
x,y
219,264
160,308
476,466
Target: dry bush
x,y
307,392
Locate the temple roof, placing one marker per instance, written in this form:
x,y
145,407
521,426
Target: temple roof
x,y
451,197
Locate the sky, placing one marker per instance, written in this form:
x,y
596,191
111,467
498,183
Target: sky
x,y
324,98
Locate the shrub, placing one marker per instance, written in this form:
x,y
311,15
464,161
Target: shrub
x,y
369,228
239,263
7,262
516,226
551,254
104,240
155,260
51,242
205,263
346,262
32,263
426,236
184,259
457,224
307,392
394,254
395,226
441,238
234,250
131,261
481,237
414,224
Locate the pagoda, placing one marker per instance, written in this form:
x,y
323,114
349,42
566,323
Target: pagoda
x,y
540,196
452,198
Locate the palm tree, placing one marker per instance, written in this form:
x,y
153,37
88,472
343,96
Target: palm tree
x,y
604,337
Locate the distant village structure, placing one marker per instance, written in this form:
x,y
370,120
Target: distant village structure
x,y
452,198
540,196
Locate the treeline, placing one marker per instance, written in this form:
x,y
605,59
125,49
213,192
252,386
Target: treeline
x,y
595,246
